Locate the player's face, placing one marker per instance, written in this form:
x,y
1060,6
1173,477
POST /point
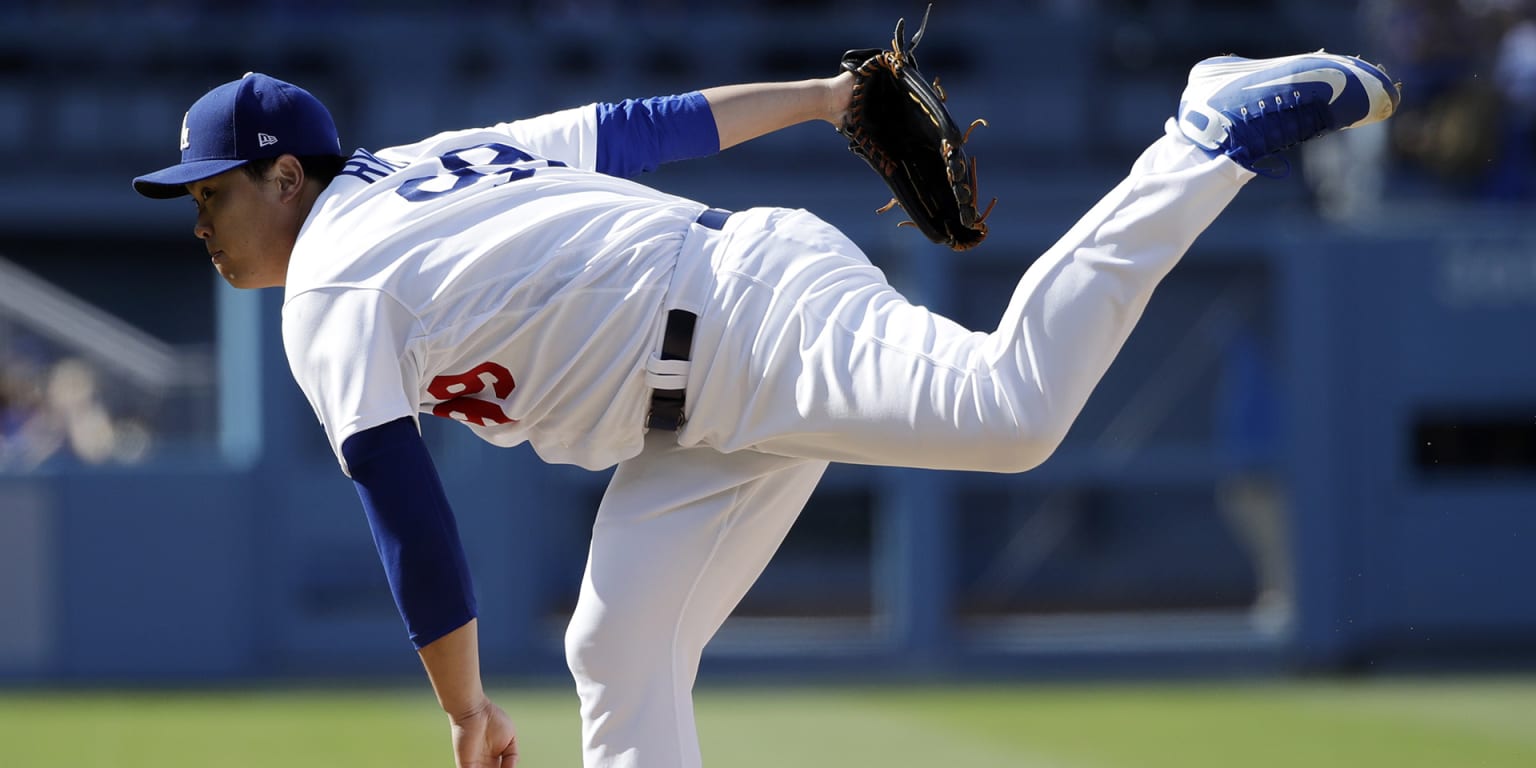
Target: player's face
x,y
247,226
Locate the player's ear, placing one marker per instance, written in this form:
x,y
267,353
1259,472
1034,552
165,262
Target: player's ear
x,y
288,172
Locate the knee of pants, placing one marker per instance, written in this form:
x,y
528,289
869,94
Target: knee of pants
x,y
615,653
1017,459
585,651
1003,450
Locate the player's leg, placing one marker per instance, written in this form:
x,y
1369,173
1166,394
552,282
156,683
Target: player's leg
x,y
842,367
839,366
680,537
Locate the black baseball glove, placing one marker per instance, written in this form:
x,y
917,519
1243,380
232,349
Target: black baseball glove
x,y
898,123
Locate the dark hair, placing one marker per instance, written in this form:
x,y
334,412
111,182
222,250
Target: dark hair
x,y
321,168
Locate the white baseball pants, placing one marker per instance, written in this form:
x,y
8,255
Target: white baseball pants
x,y
804,355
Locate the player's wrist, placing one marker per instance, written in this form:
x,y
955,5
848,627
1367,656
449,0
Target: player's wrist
x,y
468,710
837,94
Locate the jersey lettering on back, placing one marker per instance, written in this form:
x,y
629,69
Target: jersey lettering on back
x,y
463,166
366,166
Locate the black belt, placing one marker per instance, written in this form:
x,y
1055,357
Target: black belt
x,y
714,218
676,344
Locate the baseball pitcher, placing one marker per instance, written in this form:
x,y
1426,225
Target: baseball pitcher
x,y
515,279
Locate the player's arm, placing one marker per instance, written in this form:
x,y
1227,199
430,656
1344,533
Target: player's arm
x,y
637,135
746,111
634,136
413,528
418,543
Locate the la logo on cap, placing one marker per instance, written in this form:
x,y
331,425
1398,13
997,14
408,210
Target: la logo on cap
x,y
186,139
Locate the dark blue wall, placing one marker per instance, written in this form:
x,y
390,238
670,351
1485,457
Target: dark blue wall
x,y
1291,351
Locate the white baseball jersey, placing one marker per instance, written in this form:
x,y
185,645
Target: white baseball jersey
x,y
487,276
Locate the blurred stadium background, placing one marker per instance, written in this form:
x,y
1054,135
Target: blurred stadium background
x,y
1315,458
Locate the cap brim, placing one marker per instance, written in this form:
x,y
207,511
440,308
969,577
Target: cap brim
x,y
172,182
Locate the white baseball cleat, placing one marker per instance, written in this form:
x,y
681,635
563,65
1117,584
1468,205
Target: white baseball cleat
x,y
1250,109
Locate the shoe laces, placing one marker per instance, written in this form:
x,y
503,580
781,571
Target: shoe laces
x,y
1271,125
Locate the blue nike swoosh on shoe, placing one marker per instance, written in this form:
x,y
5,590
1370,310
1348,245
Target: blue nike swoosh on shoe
x,y
1327,82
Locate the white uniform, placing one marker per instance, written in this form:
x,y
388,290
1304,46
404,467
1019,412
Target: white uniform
x,y
530,290
539,293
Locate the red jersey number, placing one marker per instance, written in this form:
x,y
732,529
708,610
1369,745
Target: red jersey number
x,y
457,393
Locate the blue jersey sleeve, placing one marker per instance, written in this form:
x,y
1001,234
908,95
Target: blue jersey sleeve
x,y
413,528
637,135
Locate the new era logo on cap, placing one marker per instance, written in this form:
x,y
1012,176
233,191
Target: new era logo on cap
x,y
265,139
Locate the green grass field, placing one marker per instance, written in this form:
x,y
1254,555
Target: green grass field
x,y
1392,724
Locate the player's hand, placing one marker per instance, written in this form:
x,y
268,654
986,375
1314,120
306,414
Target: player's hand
x,y
484,738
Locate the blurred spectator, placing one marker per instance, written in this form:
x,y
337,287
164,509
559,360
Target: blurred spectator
x,y
27,434
72,399
1514,74
46,414
1469,69
1467,123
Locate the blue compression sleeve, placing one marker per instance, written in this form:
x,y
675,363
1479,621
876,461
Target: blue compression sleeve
x,y
637,135
413,528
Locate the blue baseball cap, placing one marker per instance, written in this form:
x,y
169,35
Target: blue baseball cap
x,y
248,119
